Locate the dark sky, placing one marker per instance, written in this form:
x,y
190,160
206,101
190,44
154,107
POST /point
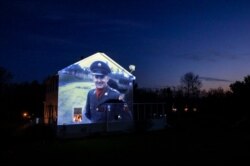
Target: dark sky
x,y
164,39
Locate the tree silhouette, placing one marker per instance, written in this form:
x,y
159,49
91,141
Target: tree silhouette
x,y
241,92
191,84
5,78
241,88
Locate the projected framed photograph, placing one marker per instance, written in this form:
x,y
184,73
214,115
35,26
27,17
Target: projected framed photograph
x,y
95,90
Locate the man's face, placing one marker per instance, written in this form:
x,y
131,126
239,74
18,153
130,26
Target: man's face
x,y
100,81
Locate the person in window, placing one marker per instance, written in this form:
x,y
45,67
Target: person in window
x,y
104,103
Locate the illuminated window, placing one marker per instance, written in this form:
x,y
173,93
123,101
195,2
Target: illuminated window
x,y
77,114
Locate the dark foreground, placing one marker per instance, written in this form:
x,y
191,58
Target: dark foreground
x,y
171,146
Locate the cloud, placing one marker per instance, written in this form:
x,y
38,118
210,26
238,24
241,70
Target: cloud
x,y
214,79
214,56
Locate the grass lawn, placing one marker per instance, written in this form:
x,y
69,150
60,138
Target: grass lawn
x,y
170,146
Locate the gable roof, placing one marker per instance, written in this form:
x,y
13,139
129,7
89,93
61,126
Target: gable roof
x,y
115,67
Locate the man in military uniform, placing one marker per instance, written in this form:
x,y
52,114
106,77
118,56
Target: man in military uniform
x,y
100,101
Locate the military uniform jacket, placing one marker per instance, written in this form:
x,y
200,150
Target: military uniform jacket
x,y
95,109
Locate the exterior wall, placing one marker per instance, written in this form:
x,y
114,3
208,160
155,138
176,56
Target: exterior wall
x,y
147,117
51,100
83,130
76,81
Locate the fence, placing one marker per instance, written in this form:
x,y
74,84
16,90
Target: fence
x,y
146,111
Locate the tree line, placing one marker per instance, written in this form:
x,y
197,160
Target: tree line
x,y
15,98
189,100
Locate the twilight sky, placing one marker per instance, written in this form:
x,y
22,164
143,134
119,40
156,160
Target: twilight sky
x,y
164,38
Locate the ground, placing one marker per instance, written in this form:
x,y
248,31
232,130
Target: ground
x,y
170,146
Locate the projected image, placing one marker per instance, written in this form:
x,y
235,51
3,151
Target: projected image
x,y
94,90
77,115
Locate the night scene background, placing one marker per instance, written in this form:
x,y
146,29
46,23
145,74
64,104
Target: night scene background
x,y
187,53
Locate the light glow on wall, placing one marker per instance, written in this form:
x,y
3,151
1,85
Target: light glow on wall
x,y
76,80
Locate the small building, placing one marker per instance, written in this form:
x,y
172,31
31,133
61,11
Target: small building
x,y
51,100
66,96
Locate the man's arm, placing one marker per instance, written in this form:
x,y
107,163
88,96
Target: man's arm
x,y
87,108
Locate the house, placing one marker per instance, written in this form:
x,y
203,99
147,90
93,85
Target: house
x,y
66,96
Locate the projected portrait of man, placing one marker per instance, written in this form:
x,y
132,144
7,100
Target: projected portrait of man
x,y
104,103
